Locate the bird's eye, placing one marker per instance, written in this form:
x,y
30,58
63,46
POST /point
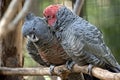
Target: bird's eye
x,y
49,17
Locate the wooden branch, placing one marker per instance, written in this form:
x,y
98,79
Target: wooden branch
x,y
78,6
6,23
24,71
20,15
98,72
58,70
8,16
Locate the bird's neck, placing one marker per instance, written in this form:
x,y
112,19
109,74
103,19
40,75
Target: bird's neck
x,y
65,17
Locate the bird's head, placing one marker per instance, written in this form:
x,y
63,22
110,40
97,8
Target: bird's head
x,y
58,16
50,14
36,28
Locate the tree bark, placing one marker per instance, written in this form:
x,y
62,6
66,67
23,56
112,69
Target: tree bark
x,y
78,6
10,45
61,71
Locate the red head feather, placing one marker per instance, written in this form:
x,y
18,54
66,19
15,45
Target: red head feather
x,y
50,13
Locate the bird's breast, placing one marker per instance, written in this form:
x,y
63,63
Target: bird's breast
x,y
53,53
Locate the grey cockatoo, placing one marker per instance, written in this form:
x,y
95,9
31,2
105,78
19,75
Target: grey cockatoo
x,y
82,41
43,46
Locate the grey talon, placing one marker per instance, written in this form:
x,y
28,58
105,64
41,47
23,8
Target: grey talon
x,y
52,69
90,66
70,64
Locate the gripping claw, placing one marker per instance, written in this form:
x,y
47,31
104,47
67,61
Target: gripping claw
x,y
52,69
90,66
70,64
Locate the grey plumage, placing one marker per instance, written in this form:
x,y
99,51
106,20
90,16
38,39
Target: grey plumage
x,y
82,41
46,45
34,53
43,46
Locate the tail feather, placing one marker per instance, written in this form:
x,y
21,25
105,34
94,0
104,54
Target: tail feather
x,y
115,69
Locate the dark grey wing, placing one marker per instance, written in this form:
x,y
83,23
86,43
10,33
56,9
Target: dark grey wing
x,y
74,44
84,43
93,42
32,50
95,45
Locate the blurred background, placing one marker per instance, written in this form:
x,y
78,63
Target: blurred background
x,y
105,14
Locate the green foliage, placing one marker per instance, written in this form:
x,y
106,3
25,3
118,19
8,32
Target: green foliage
x,y
28,61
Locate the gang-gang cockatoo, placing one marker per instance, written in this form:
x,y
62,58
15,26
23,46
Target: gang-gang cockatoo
x,y
43,46
81,40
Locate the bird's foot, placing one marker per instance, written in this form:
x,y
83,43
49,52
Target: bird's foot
x,y
90,66
52,69
70,64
